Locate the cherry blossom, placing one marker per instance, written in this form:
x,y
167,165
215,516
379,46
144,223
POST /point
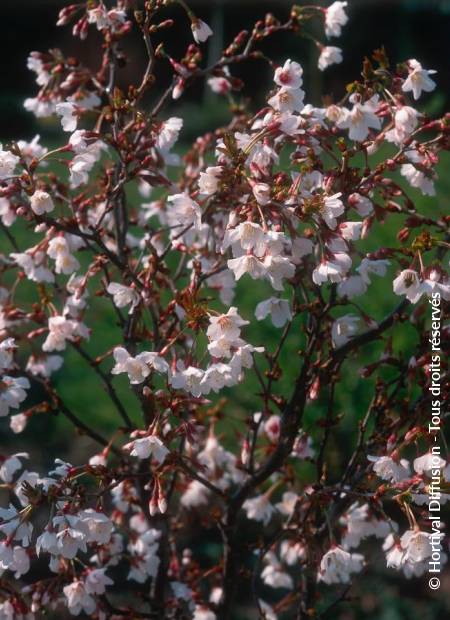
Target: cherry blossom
x,y
259,508
138,368
418,79
273,574
200,30
389,469
123,295
278,309
11,465
329,55
67,111
8,162
62,330
185,211
335,18
41,202
408,283
360,119
289,75
344,329
12,393
337,565
148,446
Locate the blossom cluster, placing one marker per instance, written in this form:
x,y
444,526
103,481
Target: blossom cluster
x,y
285,203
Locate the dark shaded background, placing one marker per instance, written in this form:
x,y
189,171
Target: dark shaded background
x,y
408,29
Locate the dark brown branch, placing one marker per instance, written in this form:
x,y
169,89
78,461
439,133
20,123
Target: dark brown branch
x,y
290,423
108,385
370,335
84,428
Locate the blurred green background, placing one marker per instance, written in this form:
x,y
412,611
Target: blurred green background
x,y
408,29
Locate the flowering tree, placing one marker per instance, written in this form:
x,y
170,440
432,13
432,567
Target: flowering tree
x,y
288,195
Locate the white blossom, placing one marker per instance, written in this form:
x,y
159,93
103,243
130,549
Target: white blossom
x,y
362,204
18,422
408,283
405,121
292,552
96,581
333,270
335,18
418,79
12,393
195,495
288,503
78,598
59,250
123,295
376,267
68,113
7,212
226,325
259,508
169,133
8,162
97,526
329,55
247,264
104,19
416,177
61,330
272,428
33,264
424,464
261,192
287,100
44,365
41,202
289,75
337,565
360,119
203,613
188,379
139,367
273,574
219,85
353,286
7,348
208,182
278,268
185,211
200,31
343,329
146,447
360,524
389,469
10,465
249,235
279,310
332,208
